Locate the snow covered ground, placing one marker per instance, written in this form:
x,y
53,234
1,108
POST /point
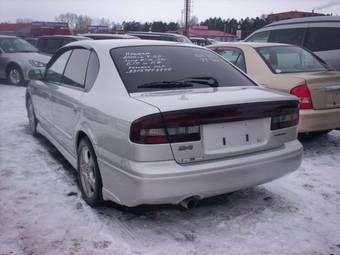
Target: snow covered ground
x,y
41,211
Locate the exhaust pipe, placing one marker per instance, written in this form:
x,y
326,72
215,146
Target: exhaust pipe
x,y
190,202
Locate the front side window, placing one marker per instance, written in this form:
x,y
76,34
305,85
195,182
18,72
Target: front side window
x,y
55,71
152,68
75,71
290,59
233,55
14,45
289,36
259,37
323,39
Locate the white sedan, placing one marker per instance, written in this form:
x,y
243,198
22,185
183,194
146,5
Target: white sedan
x,y
150,122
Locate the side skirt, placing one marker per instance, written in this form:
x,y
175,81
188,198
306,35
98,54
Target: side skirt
x,y
69,157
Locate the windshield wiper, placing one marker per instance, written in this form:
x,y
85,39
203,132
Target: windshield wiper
x,y
165,84
183,83
204,80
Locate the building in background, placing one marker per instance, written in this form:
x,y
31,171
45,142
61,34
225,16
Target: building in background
x,y
98,29
204,32
291,15
36,28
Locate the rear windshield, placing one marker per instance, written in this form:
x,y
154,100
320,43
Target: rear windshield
x,y
290,59
142,65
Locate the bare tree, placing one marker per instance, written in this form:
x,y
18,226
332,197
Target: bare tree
x,y
70,18
82,23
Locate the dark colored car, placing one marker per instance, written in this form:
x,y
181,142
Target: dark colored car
x,y
32,40
49,44
321,35
199,41
108,36
161,37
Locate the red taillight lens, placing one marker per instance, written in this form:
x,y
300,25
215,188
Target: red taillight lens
x,y
158,129
302,92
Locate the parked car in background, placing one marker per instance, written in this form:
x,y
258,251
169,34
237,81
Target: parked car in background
x,y
17,57
199,41
161,37
108,36
32,40
320,35
148,122
293,70
49,44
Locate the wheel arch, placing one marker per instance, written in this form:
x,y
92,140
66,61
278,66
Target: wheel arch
x,y
84,133
11,64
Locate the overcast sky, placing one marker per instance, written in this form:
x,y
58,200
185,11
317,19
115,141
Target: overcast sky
x,y
150,10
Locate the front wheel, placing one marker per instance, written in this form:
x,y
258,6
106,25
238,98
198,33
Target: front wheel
x,y
15,76
90,181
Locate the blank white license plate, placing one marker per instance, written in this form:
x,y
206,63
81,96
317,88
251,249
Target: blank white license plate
x,y
235,136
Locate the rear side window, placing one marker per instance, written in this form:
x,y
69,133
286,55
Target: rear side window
x,y
234,56
53,44
75,71
290,59
92,70
259,37
323,38
141,65
290,36
67,40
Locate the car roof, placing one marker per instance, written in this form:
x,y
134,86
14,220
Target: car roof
x,y
8,36
247,44
305,20
64,36
109,35
153,33
117,43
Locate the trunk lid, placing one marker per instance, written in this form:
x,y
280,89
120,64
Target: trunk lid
x,y
324,88
233,121
173,100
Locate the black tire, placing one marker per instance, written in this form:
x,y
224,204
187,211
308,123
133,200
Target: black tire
x,y
32,120
15,75
89,178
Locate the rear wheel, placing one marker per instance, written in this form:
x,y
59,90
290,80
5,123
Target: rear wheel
x,y
90,181
31,117
15,76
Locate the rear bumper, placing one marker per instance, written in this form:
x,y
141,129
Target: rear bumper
x,y
318,120
168,182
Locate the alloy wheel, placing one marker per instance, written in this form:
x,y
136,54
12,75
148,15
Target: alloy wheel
x,y
15,76
87,172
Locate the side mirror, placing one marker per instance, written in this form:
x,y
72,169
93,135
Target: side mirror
x,y
35,74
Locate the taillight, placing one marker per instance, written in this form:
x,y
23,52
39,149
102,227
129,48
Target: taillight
x,y
158,129
302,92
287,118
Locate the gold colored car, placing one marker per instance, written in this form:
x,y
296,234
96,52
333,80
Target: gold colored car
x,y
293,70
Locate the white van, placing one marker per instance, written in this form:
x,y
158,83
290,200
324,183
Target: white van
x,y
320,35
